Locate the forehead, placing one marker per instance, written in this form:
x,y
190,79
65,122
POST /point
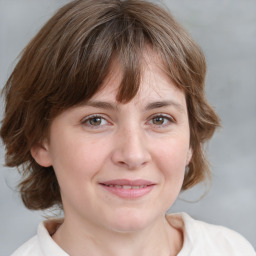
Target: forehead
x,y
155,83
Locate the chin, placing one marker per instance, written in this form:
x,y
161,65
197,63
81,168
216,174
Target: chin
x,y
131,221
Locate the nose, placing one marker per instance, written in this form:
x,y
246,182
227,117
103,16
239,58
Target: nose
x,y
131,151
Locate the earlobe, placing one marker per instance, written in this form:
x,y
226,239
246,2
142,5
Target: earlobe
x,y
189,156
41,154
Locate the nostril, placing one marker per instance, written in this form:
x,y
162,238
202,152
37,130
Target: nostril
x,y
122,163
131,155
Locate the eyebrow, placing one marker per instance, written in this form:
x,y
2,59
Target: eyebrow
x,y
100,104
161,104
150,106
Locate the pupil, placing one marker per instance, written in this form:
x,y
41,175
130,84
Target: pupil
x,y
158,120
95,121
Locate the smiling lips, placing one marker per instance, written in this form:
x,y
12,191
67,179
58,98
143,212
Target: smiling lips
x,y
128,189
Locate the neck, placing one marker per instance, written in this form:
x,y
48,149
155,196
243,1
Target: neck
x,y
159,239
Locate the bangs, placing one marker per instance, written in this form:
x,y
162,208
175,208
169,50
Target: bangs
x,y
69,61
81,72
81,58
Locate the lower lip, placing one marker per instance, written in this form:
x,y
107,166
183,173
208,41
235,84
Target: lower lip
x,y
129,193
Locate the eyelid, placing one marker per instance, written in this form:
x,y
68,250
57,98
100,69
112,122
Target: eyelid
x,y
87,118
169,117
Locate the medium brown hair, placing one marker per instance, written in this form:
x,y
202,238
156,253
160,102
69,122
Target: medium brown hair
x,y
66,63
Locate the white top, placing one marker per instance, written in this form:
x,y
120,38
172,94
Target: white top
x,y
200,238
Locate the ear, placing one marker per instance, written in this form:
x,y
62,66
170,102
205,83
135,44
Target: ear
x,y
41,154
189,156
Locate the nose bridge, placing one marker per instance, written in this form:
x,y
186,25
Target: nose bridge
x,y
131,150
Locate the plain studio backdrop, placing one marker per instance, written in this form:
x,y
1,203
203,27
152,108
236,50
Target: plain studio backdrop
x,y
226,30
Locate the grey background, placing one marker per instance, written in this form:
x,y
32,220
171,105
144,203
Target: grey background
x,y
226,30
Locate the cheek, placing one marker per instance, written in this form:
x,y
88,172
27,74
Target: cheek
x,y
76,164
170,160
171,157
77,160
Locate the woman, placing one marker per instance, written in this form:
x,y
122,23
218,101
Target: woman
x,y
106,114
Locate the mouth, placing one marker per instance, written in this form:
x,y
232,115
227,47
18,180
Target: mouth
x,y
128,189
125,186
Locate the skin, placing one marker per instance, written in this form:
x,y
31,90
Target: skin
x,y
136,140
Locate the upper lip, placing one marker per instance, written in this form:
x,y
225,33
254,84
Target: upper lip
x,y
123,182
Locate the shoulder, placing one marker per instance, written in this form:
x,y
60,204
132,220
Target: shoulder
x,y
202,238
42,244
30,248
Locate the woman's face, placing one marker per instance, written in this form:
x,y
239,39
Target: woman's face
x,y
121,166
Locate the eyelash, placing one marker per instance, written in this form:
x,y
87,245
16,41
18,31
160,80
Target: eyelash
x,y
165,118
86,121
